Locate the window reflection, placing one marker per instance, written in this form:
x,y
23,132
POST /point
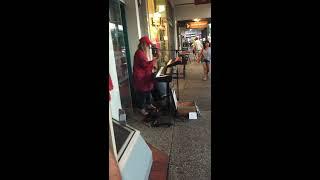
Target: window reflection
x,y
119,47
119,51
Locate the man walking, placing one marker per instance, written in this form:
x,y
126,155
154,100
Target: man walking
x,y
197,47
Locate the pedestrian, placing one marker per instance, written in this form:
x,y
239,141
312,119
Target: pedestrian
x,y
205,58
197,46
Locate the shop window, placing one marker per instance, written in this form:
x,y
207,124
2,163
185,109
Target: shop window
x,y
160,15
120,52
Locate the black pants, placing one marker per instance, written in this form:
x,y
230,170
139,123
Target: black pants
x,y
143,99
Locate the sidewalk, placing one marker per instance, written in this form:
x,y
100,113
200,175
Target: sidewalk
x,y
187,143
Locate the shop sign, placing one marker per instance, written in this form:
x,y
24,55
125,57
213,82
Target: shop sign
x,y
196,2
197,25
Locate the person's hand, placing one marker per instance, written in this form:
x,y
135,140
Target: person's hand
x,y
157,55
114,171
154,69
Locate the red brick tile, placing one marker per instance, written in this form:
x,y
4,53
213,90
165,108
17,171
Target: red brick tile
x,y
159,169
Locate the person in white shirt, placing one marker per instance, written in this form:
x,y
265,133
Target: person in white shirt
x,y
197,47
206,54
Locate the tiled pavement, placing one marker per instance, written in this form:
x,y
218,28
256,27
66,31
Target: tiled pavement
x,y
187,143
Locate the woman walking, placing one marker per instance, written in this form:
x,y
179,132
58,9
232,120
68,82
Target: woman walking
x,y
205,58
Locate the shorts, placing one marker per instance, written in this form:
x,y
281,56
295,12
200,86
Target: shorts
x,y
205,61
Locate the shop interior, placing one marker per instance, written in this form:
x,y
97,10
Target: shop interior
x,y
188,30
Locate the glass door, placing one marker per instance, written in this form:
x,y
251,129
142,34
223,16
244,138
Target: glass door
x,y
120,49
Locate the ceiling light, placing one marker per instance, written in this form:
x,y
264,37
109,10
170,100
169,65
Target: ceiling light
x,y
196,20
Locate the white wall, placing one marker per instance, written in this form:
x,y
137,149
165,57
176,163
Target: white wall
x,y
175,34
143,18
115,102
133,24
188,12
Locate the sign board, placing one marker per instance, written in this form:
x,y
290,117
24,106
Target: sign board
x,y
197,25
193,115
196,2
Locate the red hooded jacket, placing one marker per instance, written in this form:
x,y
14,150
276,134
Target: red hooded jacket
x,y
110,87
142,72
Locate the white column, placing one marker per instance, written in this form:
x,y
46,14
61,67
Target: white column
x,y
133,24
112,142
115,93
175,34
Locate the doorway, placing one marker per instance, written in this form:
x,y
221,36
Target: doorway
x,y
121,54
126,41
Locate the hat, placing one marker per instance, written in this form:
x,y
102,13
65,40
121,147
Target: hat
x,y
145,39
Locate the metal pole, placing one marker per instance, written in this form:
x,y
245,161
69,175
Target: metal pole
x,y
177,55
178,82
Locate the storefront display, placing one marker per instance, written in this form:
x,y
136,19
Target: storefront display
x,y
161,28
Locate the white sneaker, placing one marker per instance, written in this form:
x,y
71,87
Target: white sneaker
x,y
144,112
205,78
150,106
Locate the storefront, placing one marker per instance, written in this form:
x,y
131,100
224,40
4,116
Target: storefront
x,y
120,67
130,20
133,155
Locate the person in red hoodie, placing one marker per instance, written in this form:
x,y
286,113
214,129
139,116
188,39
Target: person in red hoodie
x,y
143,81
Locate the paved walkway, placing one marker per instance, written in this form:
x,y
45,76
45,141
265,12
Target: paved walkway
x,y
188,143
